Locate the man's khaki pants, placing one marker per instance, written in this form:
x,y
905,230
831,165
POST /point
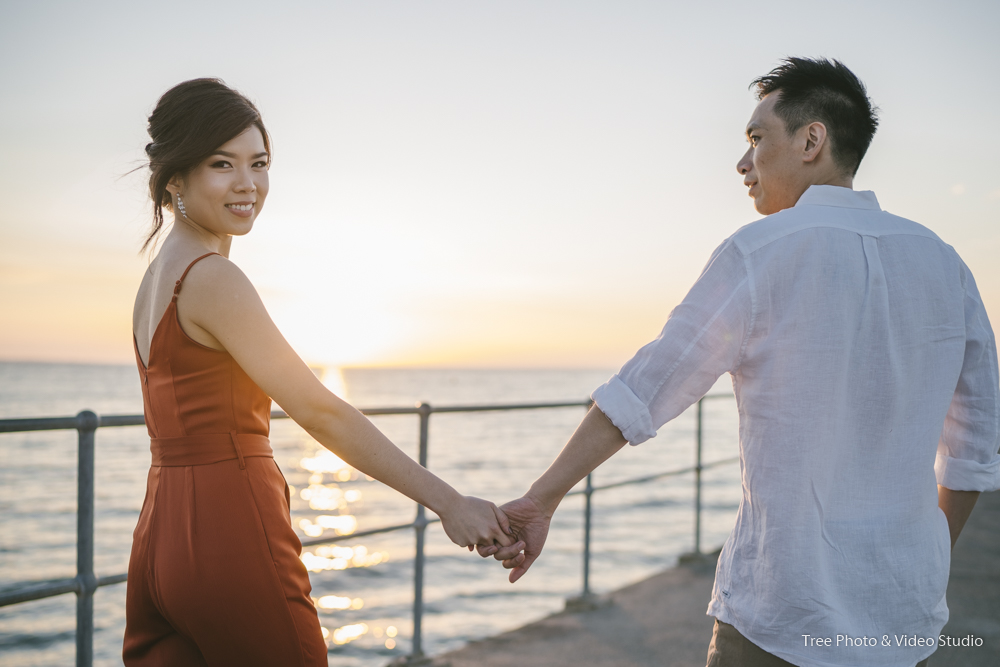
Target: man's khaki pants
x,y
731,649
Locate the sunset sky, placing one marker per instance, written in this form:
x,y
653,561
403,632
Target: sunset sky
x,y
516,184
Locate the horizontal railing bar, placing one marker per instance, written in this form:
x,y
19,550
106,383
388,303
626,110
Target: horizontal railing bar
x,y
39,590
366,533
413,524
661,475
112,579
38,424
21,425
122,420
86,422
51,588
460,408
374,412
67,423
713,464
520,406
71,423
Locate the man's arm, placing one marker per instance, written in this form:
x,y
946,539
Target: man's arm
x,y
967,462
703,338
957,506
594,441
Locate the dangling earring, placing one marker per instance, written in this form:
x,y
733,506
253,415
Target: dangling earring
x,y
180,206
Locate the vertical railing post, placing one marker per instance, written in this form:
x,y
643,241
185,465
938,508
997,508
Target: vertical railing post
x,y
588,491
87,423
585,601
697,479
419,528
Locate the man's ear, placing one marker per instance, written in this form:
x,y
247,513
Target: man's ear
x,y
816,137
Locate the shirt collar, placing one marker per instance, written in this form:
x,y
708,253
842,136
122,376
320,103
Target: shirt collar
x,y
833,195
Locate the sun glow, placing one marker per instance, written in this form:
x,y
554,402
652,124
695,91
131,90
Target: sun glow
x,y
345,334
334,381
335,309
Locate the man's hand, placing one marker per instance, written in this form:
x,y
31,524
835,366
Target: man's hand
x,y
529,523
594,440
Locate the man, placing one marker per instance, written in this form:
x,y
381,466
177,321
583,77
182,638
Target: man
x,y
863,364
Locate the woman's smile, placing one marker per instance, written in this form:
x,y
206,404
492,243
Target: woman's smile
x,y
242,209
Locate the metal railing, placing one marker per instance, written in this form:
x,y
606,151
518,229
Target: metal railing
x,y
85,583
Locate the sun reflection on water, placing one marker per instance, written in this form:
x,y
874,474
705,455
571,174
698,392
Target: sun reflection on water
x,y
390,632
343,525
322,497
337,603
349,633
341,558
328,497
324,461
327,472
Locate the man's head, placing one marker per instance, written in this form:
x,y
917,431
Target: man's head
x,y
813,126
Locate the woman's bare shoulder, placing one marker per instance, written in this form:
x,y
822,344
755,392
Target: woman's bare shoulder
x,y
216,274
208,279
216,287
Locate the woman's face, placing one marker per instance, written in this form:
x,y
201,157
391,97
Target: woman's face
x,y
224,194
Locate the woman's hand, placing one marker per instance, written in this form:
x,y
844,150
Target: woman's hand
x,y
473,521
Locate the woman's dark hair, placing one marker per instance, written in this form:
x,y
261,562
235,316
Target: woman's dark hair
x,y
189,123
828,92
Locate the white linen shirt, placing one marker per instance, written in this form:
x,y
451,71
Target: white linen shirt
x,y
863,364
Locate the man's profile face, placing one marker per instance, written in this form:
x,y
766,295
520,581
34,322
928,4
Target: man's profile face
x,y
771,167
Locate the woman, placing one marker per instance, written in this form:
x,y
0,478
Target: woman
x,y
215,576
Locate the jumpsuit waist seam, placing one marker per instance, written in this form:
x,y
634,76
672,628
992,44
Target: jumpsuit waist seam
x,y
208,448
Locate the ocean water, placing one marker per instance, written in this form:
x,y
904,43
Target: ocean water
x,y
364,587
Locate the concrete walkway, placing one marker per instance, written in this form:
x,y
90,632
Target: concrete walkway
x,y
974,589
661,622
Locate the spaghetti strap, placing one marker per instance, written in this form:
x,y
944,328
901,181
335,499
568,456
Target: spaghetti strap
x,y
177,285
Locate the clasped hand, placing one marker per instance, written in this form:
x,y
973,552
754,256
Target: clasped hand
x,y
527,521
513,534
473,522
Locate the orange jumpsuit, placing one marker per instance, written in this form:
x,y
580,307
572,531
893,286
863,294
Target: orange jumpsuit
x,y
214,577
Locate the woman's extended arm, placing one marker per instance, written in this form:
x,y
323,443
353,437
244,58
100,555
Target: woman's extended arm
x,y
219,307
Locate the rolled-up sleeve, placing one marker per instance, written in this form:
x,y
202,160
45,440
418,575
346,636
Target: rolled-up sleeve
x,y
967,458
703,338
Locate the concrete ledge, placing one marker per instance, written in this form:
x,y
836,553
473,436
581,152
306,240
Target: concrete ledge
x,y
655,622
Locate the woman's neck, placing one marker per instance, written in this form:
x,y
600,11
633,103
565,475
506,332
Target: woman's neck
x,y
187,234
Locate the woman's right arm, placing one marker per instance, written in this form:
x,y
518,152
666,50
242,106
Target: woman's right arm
x,y
219,307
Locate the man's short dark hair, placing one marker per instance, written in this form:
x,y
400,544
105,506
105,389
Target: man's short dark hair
x,y
828,92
